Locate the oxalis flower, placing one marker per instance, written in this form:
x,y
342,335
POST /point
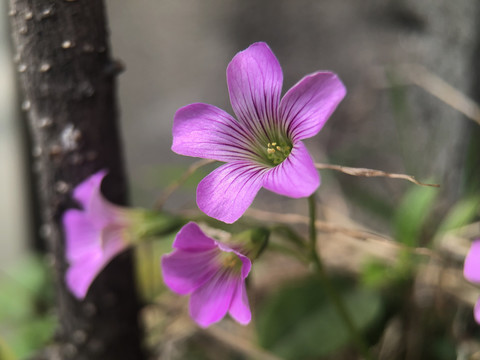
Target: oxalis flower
x,y
263,147
471,271
212,272
94,235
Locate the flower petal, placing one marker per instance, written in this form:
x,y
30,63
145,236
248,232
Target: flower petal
x,y
113,241
210,303
88,256
89,188
185,271
246,264
81,274
296,176
254,79
239,308
476,311
81,236
307,106
205,131
471,269
101,211
228,191
191,238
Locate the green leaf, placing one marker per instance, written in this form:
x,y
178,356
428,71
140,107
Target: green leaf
x,y
20,285
25,290
412,214
5,352
374,273
299,322
15,301
462,213
31,335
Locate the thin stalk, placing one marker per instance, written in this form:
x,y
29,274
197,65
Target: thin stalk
x,y
335,297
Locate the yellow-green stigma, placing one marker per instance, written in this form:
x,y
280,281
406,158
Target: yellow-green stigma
x,y
277,152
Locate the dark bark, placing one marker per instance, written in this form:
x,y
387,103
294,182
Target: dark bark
x,y
472,173
68,80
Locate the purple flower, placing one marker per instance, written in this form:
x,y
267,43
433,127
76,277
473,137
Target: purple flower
x,y
93,235
213,273
471,271
263,148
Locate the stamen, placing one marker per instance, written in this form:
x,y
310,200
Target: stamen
x,y
277,153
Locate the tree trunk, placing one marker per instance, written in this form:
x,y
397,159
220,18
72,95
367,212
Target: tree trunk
x,y
68,79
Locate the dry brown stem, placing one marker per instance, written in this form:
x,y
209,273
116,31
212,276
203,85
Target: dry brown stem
x,y
371,173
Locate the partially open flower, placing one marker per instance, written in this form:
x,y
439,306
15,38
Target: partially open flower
x,y
471,271
212,272
93,235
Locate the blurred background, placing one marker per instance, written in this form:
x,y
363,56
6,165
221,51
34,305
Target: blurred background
x,y
411,71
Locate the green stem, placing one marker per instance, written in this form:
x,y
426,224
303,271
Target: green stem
x,y
335,297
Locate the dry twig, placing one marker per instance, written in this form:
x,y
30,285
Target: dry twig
x,y
371,173
420,76
435,85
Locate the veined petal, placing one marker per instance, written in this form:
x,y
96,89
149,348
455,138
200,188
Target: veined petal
x,y
191,238
228,191
254,79
185,271
205,131
210,303
307,106
471,269
240,308
296,176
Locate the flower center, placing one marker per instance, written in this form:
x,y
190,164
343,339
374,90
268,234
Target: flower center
x,y
277,152
231,261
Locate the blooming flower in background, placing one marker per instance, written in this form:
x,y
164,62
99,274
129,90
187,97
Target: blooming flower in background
x,y
471,271
94,235
212,272
263,148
